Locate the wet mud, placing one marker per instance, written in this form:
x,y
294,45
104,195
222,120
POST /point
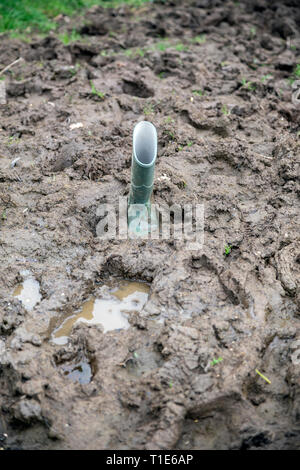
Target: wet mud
x,y
106,310
214,77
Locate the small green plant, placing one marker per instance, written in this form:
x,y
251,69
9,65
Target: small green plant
x,y
162,45
128,52
170,384
227,249
97,92
199,39
253,31
171,134
188,144
264,78
67,38
13,140
248,85
216,361
131,53
225,110
198,92
74,69
148,109
169,120
21,36
4,216
297,71
140,52
181,47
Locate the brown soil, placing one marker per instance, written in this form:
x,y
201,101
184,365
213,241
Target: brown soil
x,y
233,146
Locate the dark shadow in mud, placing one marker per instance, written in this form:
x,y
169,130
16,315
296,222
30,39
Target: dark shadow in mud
x,y
137,88
220,426
79,366
83,52
215,431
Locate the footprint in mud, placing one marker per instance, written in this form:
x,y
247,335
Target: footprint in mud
x,y
28,292
110,312
142,361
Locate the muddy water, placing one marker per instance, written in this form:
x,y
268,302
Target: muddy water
x,y
28,293
111,312
80,372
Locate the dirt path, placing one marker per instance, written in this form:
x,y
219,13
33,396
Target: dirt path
x,y
213,76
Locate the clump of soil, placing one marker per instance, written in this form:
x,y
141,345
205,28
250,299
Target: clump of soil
x,y
184,374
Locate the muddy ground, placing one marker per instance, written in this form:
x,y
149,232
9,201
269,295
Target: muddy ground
x,y
213,76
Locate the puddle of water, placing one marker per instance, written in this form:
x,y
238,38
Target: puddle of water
x,y
28,293
132,288
80,372
109,312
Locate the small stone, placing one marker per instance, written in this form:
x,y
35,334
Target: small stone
x,y
201,383
28,411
